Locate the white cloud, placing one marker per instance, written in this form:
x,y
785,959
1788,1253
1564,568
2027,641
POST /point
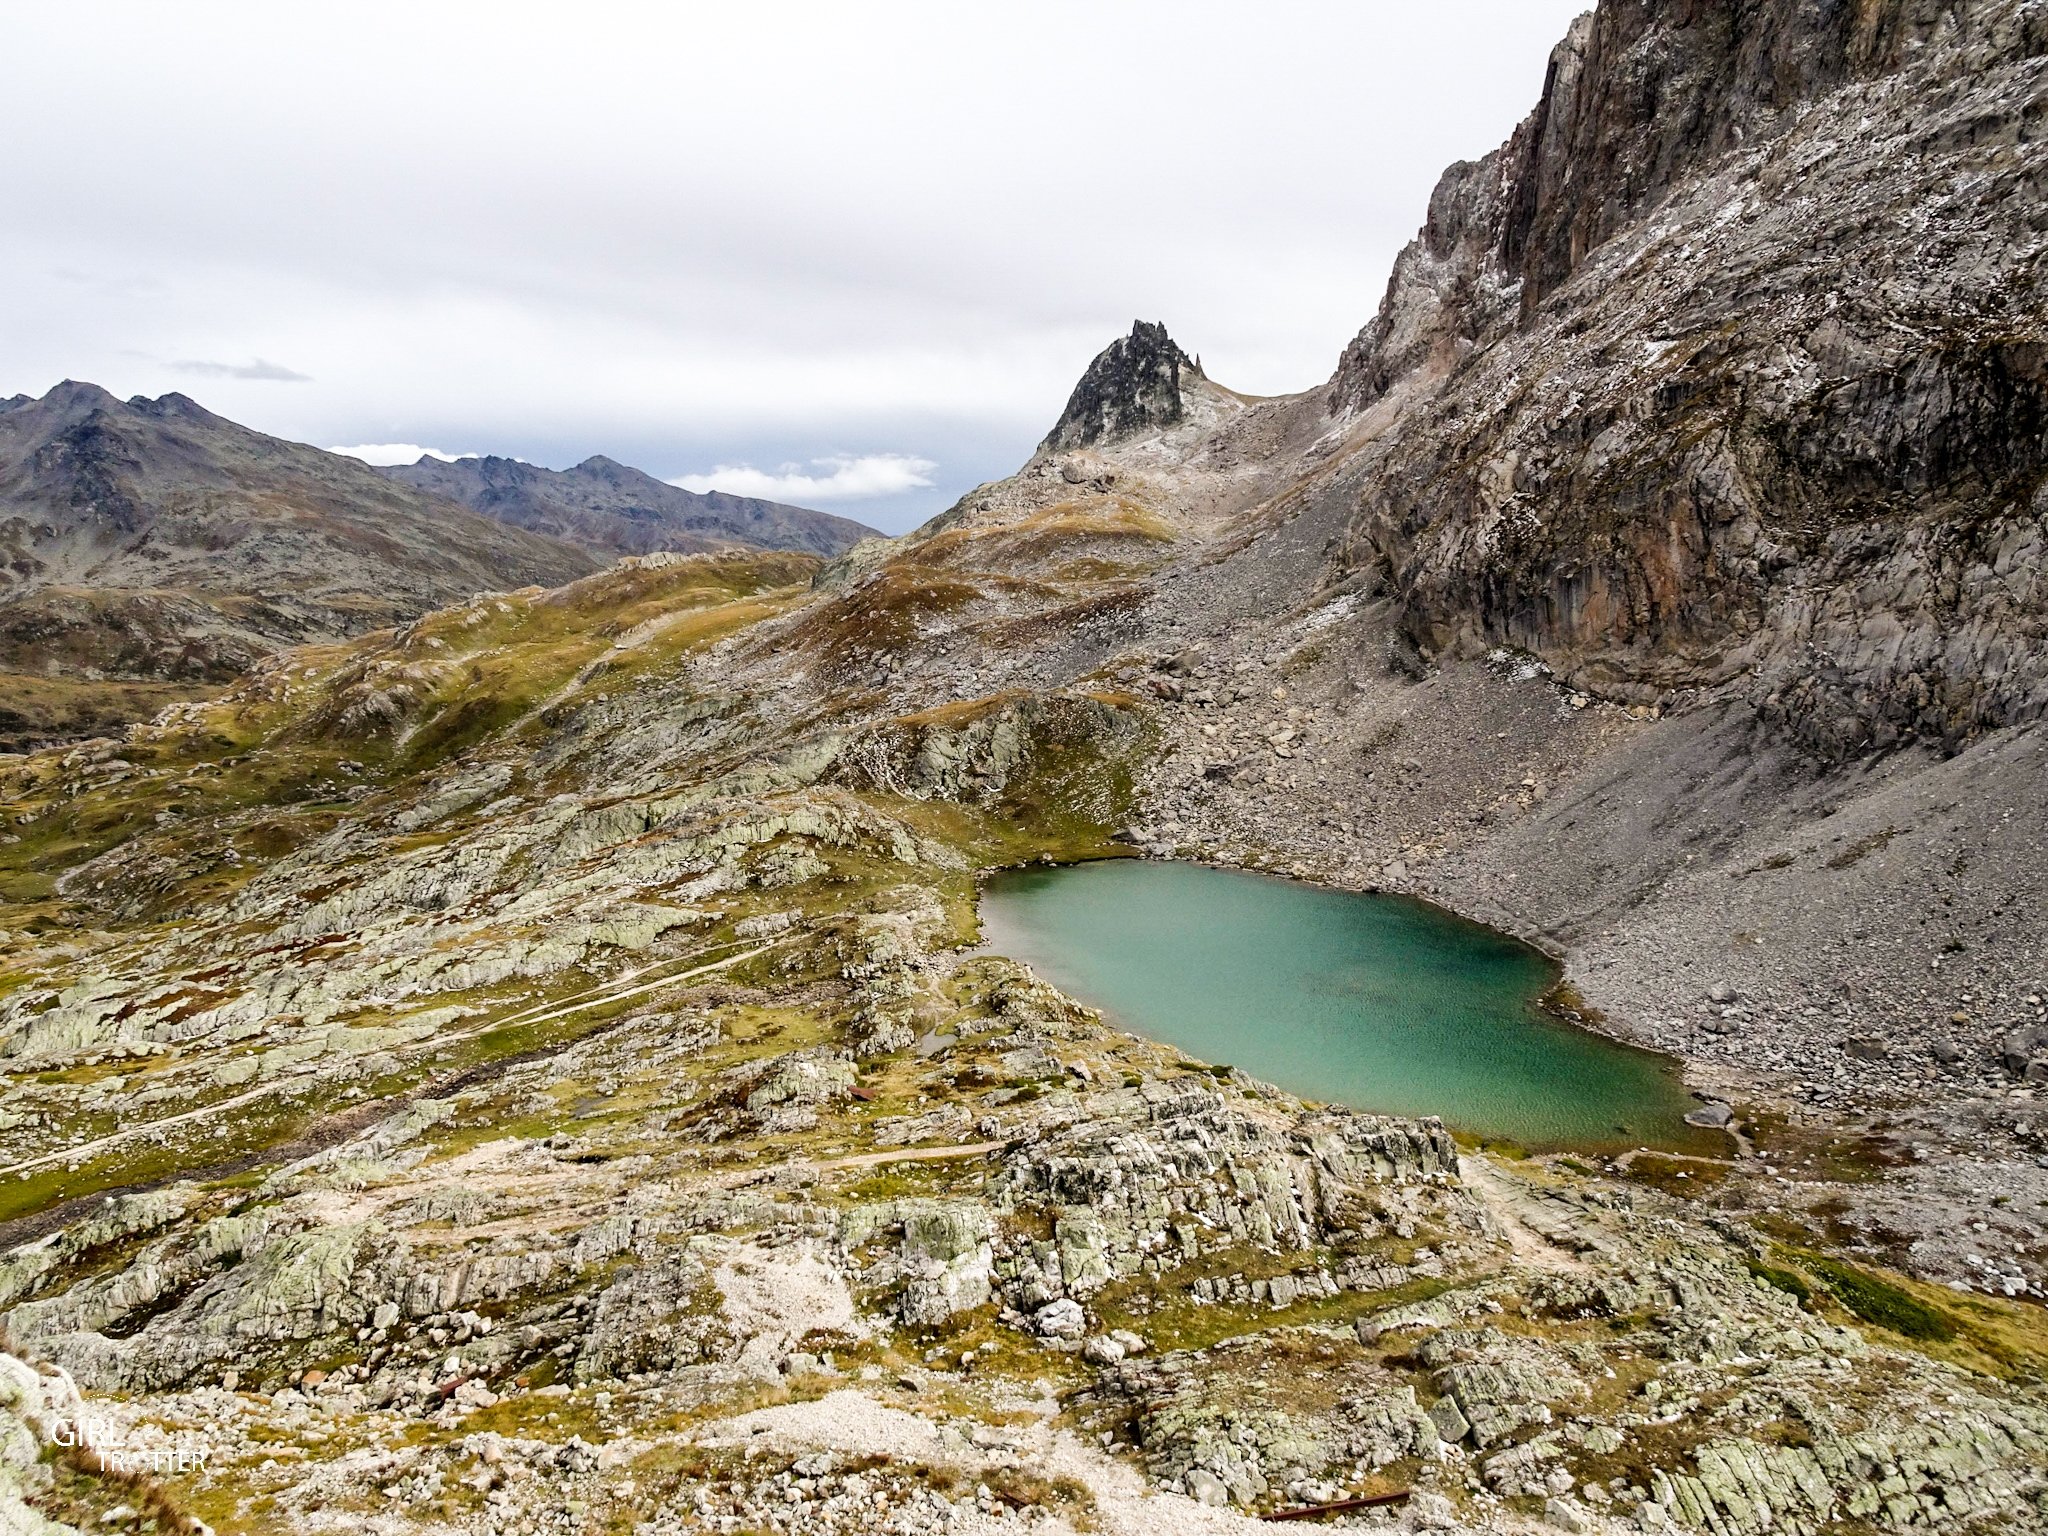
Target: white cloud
x,y
261,370
398,453
741,288
845,478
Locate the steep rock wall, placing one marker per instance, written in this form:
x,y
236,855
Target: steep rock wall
x,y
1731,369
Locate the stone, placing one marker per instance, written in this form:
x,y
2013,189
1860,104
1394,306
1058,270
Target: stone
x,y
1062,1319
1450,1423
1713,1114
1567,1515
1603,1439
2021,1046
1426,1511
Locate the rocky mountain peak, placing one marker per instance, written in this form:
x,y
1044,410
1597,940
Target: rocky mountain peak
x,y
1640,97
609,474
74,399
179,406
1134,383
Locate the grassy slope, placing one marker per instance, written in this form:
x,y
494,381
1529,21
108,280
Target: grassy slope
x,y
229,786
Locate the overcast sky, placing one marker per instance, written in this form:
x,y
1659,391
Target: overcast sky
x,y
848,254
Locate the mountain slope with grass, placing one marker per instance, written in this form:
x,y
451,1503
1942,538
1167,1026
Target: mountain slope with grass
x,y
533,1061
153,549
531,1067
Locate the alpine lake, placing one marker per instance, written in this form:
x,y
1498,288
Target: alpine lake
x,y
1377,1002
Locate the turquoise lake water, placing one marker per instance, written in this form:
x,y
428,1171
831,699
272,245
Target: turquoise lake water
x,y
1377,1002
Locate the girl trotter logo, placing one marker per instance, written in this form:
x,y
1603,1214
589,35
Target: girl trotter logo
x,y
110,1444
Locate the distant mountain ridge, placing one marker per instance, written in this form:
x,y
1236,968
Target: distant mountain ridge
x,y
149,548
612,508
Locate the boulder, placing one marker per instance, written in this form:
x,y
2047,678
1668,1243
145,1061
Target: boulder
x,y
2018,1050
806,1078
1062,1319
946,1260
1449,1421
1567,1515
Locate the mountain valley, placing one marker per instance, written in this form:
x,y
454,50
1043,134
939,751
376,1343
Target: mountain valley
x,y
527,1063
155,550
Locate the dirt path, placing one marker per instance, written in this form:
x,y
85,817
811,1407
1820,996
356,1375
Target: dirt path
x,y
1504,1200
1622,1162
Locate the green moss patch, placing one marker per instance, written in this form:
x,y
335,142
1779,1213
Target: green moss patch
x,y
1881,1303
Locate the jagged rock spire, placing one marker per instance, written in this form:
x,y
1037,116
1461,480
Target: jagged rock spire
x,y
1134,383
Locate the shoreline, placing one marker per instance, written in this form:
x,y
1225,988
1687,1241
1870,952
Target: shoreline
x,y
1548,1005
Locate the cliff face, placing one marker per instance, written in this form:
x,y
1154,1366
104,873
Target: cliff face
x,y
1731,369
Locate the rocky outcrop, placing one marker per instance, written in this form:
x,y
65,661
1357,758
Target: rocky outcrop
x,y
1208,1433
1171,1172
1495,1383
1727,371
943,1257
1134,384
31,1407
1954,1471
1071,747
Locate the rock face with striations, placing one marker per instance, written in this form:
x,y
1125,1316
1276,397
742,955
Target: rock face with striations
x,y
1731,367
1133,384
613,509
